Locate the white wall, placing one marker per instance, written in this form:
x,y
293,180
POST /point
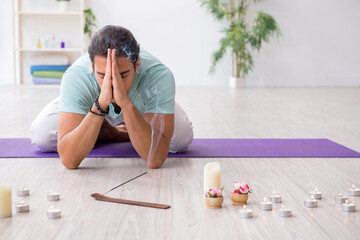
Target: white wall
x,y
6,43
319,47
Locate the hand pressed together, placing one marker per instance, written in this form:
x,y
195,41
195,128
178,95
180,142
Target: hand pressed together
x,y
113,88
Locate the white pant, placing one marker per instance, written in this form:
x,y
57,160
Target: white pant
x,y
43,130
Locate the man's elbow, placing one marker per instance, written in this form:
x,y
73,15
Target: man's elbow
x,y
69,162
156,163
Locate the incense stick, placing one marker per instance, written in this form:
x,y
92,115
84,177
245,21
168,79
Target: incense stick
x,y
99,197
124,183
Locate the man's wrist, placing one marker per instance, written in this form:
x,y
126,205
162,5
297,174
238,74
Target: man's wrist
x,y
101,107
126,103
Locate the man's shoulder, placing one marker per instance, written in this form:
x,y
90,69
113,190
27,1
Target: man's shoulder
x,y
149,61
82,64
80,68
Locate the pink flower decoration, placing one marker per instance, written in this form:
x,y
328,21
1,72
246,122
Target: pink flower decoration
x,y
237,185
214,192
241,188
244,188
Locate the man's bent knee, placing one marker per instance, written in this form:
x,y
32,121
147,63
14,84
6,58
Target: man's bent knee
x,y
183,132
44,135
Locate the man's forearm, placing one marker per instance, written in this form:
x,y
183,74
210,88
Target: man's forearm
x,y
140,134
75,145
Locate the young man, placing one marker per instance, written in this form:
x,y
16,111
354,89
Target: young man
x,y
114,92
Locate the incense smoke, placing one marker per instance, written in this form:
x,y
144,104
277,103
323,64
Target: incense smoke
x,y
157,120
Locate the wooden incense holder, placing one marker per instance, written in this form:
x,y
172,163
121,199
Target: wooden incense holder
x,y
100,197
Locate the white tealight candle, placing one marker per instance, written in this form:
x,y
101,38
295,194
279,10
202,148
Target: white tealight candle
x,y
354,191
245,212
310,203
53,213
5,201
348,207
211,175
53,196
266,205
275,198
316,194
22,191
340,199
22,207
285,212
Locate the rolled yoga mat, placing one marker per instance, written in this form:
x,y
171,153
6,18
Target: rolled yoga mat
x,y
201,148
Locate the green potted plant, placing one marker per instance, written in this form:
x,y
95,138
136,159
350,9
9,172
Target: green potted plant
x,y
89,22
63,5
239,35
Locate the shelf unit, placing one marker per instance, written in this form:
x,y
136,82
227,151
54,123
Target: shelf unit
x,y
22,49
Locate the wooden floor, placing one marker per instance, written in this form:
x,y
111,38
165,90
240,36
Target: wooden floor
x,y
332,113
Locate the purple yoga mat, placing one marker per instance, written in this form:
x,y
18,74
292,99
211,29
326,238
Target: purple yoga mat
x,y
200,148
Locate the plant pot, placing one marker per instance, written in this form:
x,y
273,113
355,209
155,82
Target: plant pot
x,y
214,202
239,199
235,82
63,6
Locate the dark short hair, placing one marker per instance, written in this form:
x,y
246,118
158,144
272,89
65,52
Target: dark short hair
x,y
114,37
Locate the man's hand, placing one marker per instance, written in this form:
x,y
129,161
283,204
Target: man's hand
x,y
106,93
119,92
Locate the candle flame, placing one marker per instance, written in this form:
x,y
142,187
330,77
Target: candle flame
x,y
273,192
339,194
347,202
316,189
51,207
264,199
22,202
244,206
21,188
282,206
353,186
312,197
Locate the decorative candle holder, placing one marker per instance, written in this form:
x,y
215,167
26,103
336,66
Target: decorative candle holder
x,y
348,207
316,194
213,198
5,201
275,198
53,196
266,205
22,207
340,199
354,191
21,192
214,202
285,212
212,172
53,213
240,195
239,199
245,212
310,203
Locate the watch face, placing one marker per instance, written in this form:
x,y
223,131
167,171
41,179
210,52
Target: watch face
x,y
117,109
